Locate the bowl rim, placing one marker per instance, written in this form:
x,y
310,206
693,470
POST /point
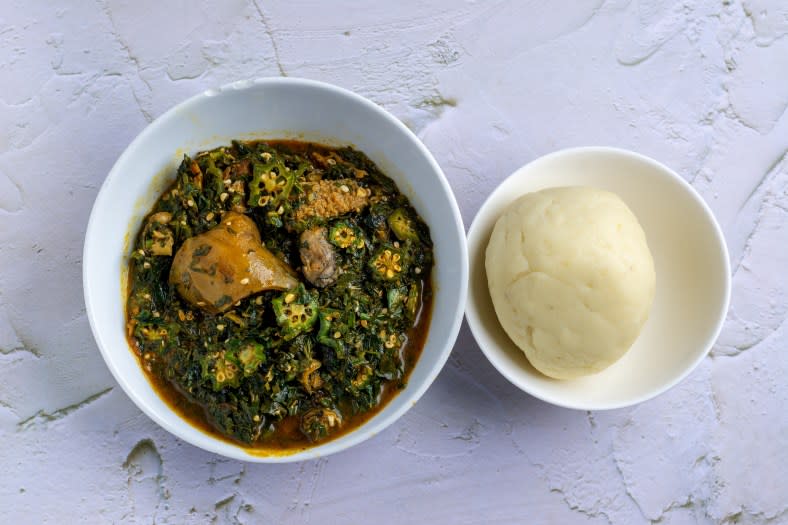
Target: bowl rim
x,y
372,426
480,333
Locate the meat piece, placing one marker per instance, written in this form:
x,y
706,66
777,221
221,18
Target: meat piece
x,y
318,257
238,169
332,198
218,268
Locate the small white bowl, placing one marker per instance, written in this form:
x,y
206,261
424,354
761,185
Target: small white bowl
x,y
692,268
267,108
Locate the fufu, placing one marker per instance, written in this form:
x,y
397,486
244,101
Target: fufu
x,y
571,278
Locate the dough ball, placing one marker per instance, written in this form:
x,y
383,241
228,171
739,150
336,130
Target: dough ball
x,y
571,278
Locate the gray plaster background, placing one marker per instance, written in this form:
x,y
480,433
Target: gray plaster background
x,y
488,85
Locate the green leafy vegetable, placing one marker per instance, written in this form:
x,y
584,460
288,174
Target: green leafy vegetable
x,y
283,369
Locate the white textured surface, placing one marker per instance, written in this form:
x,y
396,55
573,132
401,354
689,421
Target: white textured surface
x,y
700,85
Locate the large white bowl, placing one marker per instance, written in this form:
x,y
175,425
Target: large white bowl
x,y
690,258
267,108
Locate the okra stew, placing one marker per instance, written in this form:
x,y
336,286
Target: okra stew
x,y
279,292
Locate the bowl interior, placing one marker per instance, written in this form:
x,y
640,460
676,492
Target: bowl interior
x,y
269,108
692,270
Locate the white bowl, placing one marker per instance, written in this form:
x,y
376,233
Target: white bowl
x,y
691,261
267,108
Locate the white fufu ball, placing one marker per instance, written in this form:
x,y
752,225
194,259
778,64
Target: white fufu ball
x,y
571,278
